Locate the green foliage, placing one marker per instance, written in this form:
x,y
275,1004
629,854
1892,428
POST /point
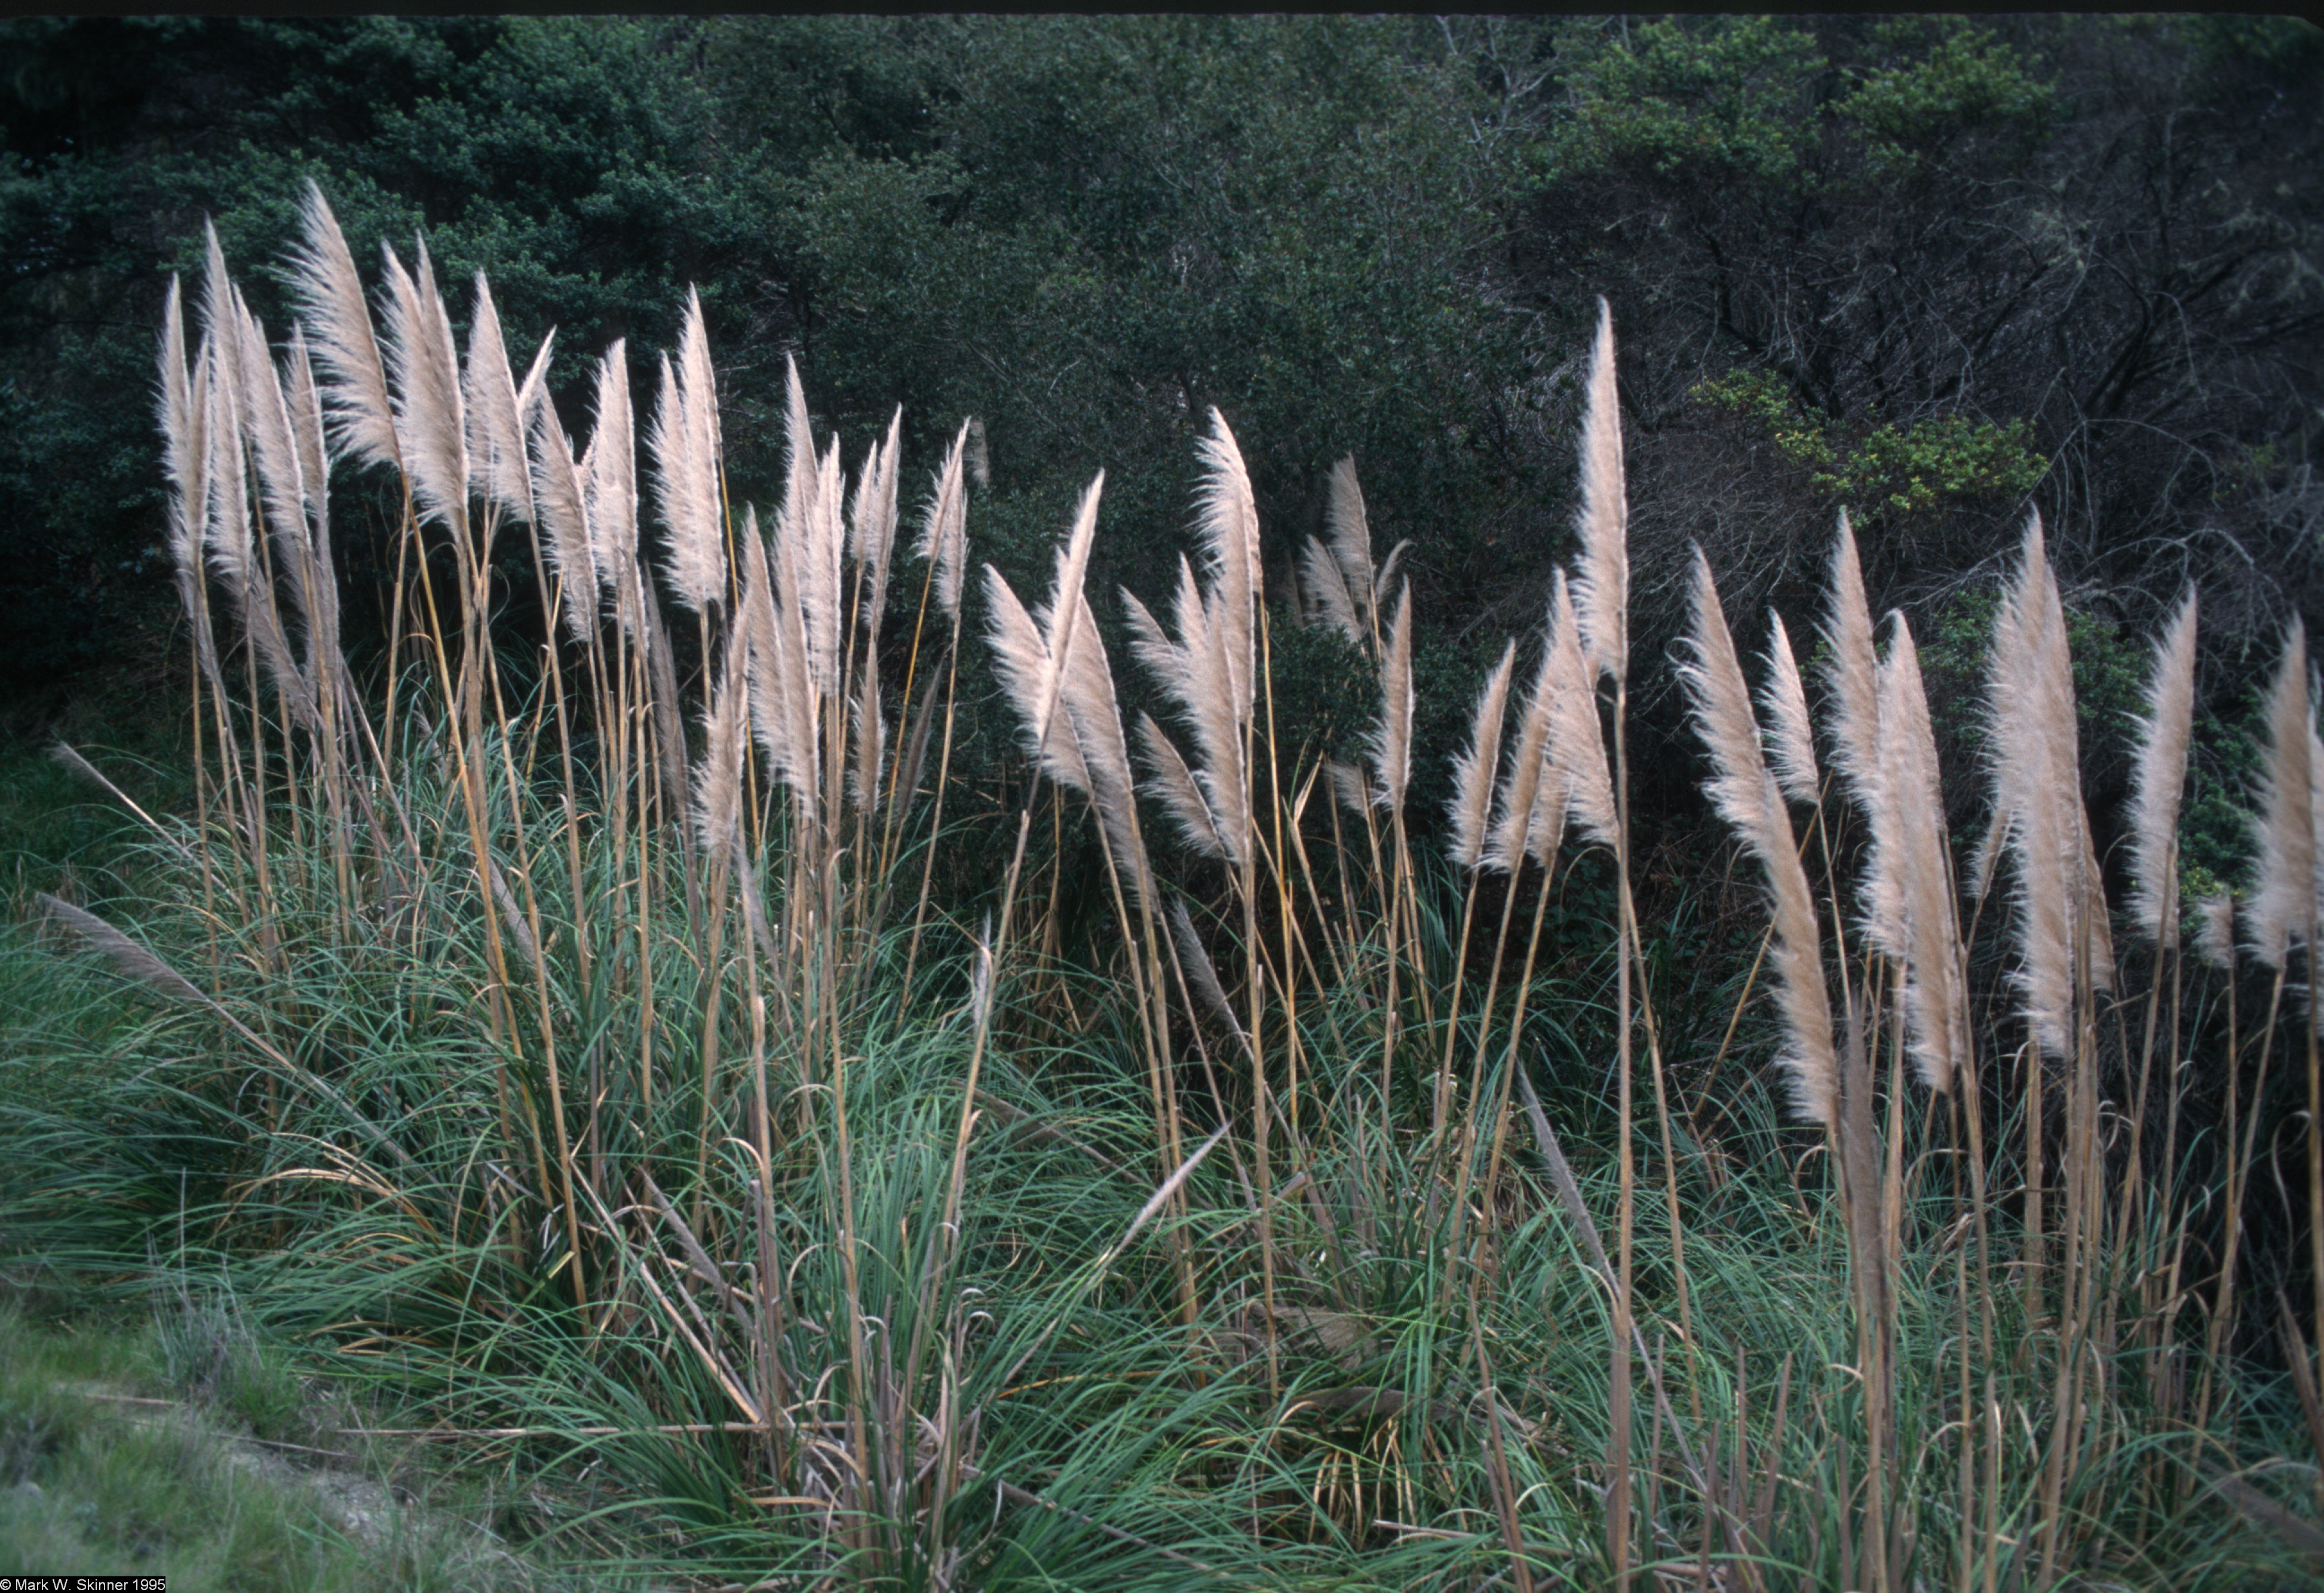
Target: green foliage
x,y
1904,469
1698,101
1762,397
204,1352
1884,470
2224,765
1748,101
1919,111
1327,694
1123,223
2110,672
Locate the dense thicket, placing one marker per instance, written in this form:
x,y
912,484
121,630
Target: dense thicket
x,y
1933,270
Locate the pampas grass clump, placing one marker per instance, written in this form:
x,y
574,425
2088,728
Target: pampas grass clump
x,y
570,1066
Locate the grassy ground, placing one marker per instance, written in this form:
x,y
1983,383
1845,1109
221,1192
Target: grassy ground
x,y
173,1442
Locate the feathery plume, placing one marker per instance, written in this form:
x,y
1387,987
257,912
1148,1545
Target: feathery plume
x,y
64,755
1351,546
1928,933
425,378
1327,587
1552,798
220,303
780,707
2283,901
802,704
718,774
1091,707
232,548
1391,746
698,382
1021,653
266,427
1193,669
755,620
944,532
1349,789
310,438
1722,710
1181,798
798,456
1577,741
2158,774
1853,674
1473,770
816,548
979,458
2026,824
1519,805
685,477
1230,526
1210,667
684,441
1602,581
495,432
246,418
1156,648
870,742
1791,740
185,461
1028,673
1886,884
2093,904
1747,796
2036,772
2087,905
2215,931
129,959
1203,974
330,298
558,494
175,406
1390,565
133,961
871,519
1988,854
534,391
612,486
1036,659
227,523
2316,791
666,446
